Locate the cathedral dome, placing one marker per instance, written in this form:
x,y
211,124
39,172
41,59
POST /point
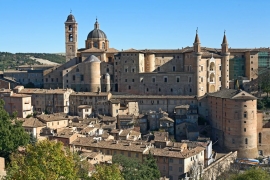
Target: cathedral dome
x,y
71,18
96,33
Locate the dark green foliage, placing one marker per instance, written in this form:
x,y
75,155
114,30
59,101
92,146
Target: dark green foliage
x,y
10,61
252,174
32,140
264,80
263,103
134,169
12,134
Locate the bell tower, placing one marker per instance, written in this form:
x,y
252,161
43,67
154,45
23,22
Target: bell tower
x,y
71,37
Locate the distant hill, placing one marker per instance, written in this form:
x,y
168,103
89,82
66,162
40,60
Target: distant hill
x,y
10,60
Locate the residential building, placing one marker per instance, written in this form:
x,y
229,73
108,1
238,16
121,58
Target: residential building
x,y
19,103
48,100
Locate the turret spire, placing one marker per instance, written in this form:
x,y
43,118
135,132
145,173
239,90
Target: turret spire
x,y
197,40
224,38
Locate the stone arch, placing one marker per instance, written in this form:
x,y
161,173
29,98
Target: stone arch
x,y
212,66
212,88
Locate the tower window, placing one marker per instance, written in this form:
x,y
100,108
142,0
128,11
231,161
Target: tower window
x,y
260,137
246,141
70,27
103,45
70,38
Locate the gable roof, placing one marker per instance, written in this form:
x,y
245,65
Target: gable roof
x,y
232,94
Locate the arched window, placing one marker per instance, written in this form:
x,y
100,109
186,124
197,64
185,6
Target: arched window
x,y
173,68
103,45
246,141
70,38
95,44
212,78
260,137
212,66
70,27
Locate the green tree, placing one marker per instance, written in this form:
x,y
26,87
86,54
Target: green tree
x,y
252,174
12,134
151,167
107,172
46,160
134,169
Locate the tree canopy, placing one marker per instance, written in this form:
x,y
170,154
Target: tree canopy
x,y
133,169
12,134
107,172
46,160
252,174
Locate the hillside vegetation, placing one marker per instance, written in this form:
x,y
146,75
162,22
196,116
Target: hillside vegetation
x,y
10,60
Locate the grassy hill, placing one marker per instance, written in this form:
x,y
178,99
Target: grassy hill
x,y
10,61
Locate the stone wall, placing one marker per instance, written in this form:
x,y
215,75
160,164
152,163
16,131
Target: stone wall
x,y
219,166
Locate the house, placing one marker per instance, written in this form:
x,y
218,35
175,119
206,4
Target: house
x,y
20,103
33,126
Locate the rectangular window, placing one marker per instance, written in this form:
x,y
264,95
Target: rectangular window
x,y
165,79
177,79
153,79
73,77
82,77
170,168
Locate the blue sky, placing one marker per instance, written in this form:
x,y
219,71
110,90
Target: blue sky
x,y
38,26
